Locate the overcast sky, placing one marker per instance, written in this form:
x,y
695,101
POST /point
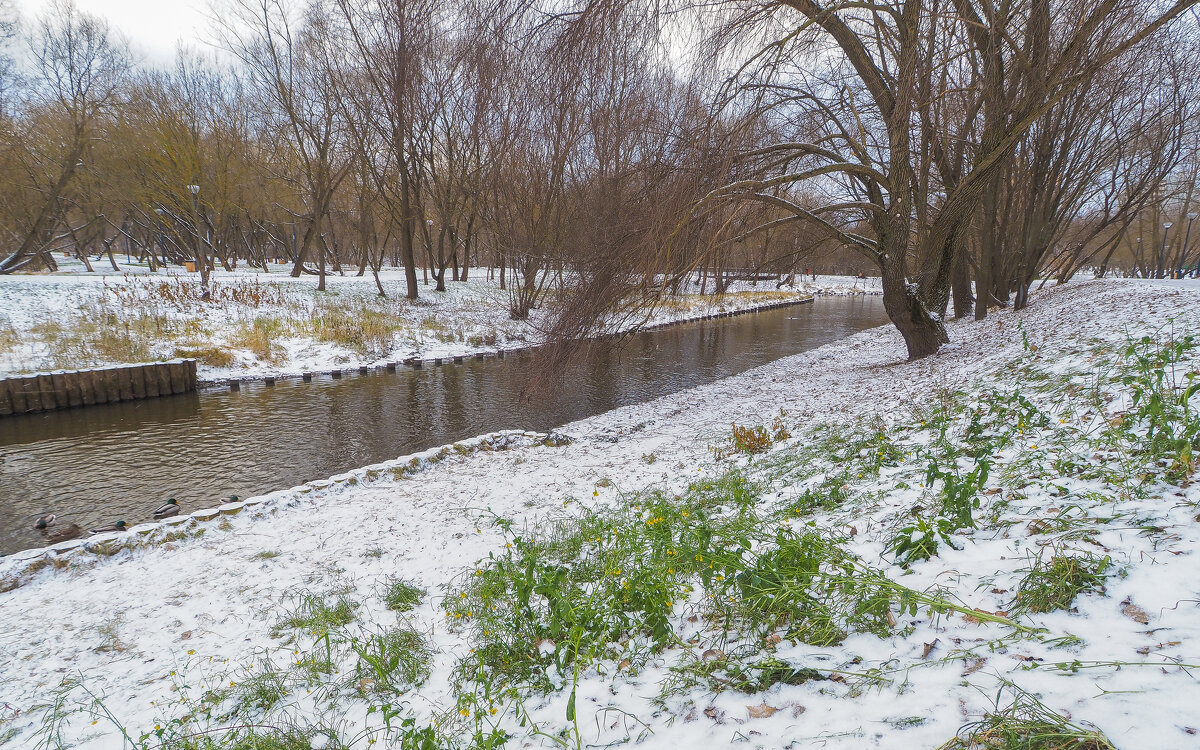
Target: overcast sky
x,y
154,27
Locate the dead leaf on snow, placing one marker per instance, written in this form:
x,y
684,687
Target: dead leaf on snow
x,y
929,647
974,666
713,654
762,711
1136,613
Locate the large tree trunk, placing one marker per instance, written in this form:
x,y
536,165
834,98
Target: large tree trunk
x,y
408,256
923,333
960,286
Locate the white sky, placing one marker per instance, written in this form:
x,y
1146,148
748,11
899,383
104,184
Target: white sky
x,y
153,27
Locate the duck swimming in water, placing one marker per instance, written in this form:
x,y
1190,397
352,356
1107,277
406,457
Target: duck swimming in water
x,y
62,533
44,521
171,508
118,526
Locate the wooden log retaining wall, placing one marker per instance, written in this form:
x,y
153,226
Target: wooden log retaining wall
x,y
65,389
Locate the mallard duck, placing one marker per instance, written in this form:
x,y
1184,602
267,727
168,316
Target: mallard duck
x,y
118,526
47,520
62,533
171,508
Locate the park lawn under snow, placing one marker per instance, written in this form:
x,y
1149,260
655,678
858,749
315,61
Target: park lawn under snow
x,y
271,324
279,618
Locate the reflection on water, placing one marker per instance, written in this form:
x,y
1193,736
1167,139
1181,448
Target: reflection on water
x,y
120,461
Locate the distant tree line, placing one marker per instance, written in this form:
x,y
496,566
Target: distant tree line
x,y
960,149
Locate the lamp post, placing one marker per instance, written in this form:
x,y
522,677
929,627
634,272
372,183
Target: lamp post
x,y
1186,236
201,261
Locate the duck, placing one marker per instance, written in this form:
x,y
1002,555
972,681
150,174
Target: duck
x,y
171,508
118,526
62,533
44,521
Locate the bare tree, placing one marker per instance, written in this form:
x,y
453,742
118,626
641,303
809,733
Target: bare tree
x,y
78,69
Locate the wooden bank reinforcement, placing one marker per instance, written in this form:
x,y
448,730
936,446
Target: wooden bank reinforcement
x,y
66,389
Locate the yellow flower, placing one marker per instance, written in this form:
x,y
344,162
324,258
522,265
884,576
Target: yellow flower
x,y
492,711
191,651
465,712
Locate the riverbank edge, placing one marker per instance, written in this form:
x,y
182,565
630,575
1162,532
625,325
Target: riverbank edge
x,y
417,363
16,567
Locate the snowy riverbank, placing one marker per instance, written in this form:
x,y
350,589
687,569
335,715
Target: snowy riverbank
x,y
271,324
289,613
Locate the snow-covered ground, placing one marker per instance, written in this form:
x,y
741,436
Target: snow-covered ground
x,y
271,324
134,636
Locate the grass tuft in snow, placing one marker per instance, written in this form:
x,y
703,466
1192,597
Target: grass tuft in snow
x,y
615,585
211,355
401,595
1026,724
259,336
1053,584
254,738
318,615
362,328
392,661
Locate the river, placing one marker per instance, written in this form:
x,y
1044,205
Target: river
x,y
98,464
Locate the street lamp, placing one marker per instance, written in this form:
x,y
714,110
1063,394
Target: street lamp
x,y
201,261
1187,236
